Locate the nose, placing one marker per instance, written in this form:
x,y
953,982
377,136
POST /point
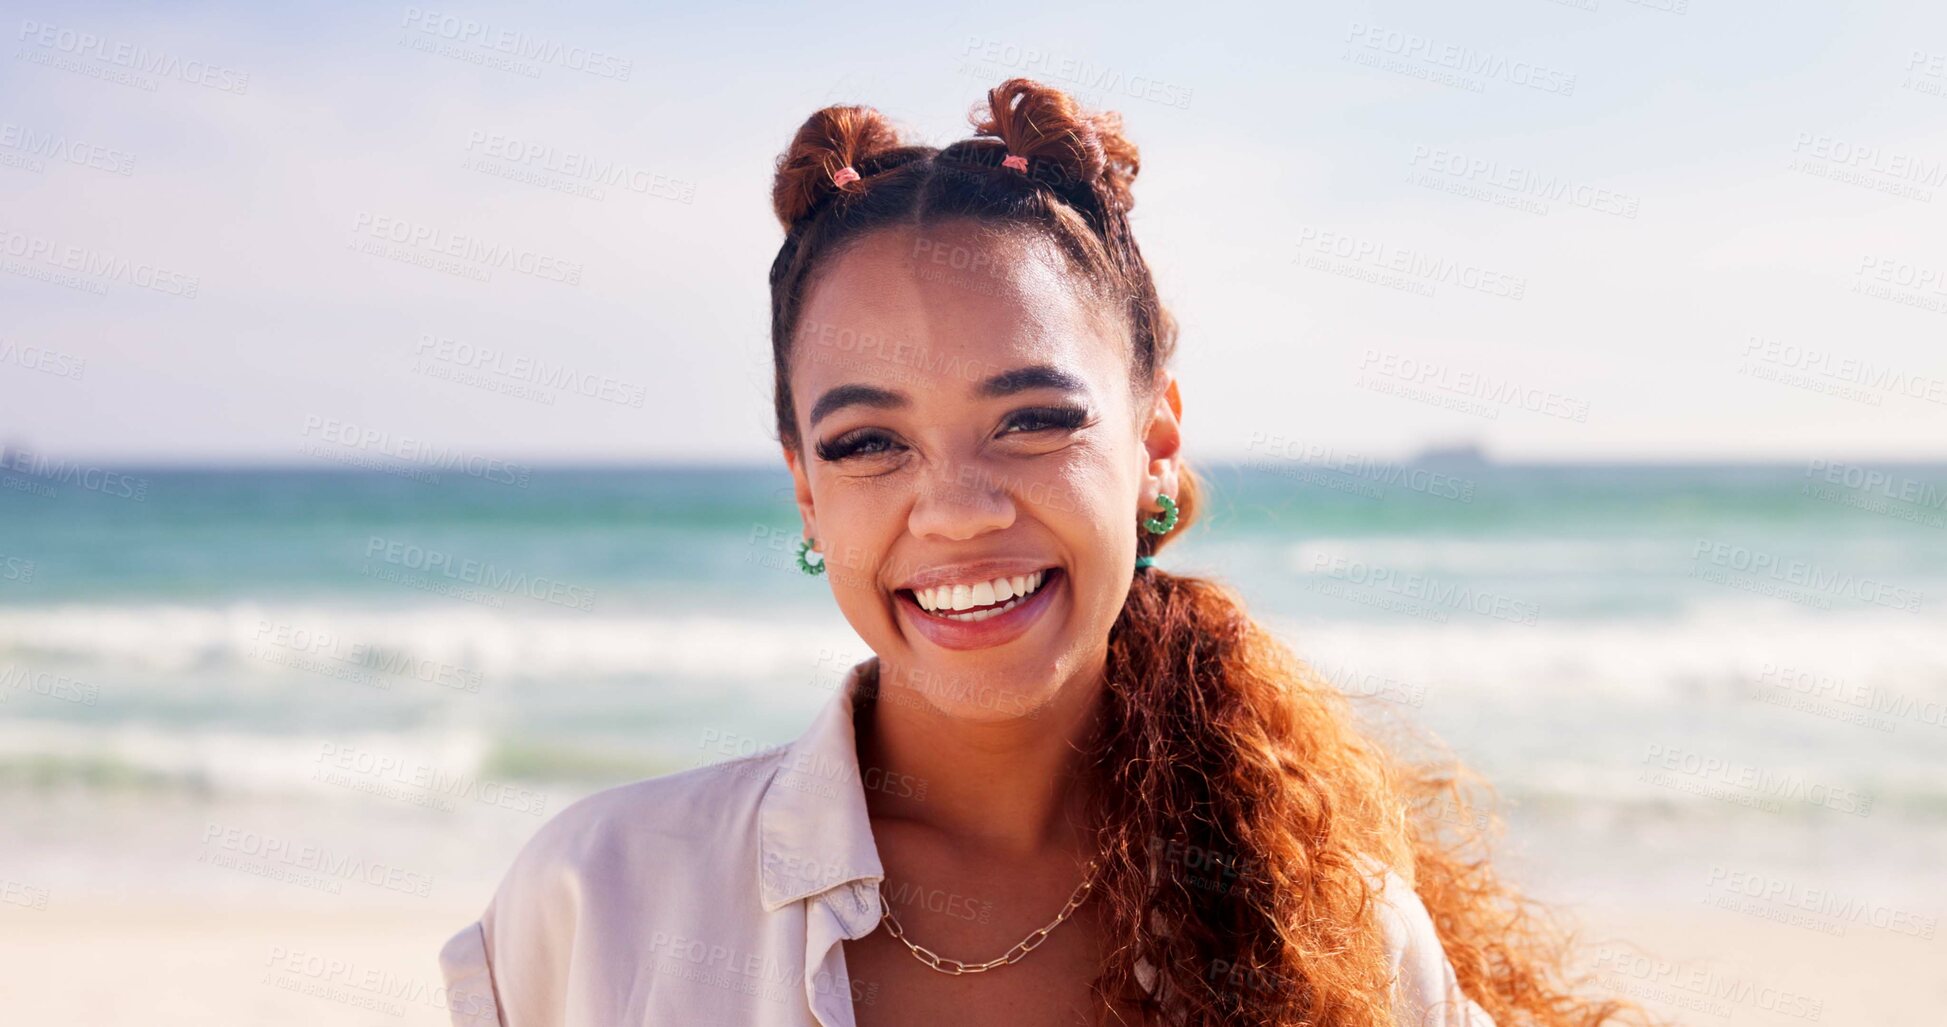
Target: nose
x,y
961,502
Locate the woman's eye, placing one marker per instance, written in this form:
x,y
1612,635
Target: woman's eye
x,y
1043,419
865,442
875,442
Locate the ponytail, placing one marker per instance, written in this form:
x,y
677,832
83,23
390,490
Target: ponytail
x,y
1244,816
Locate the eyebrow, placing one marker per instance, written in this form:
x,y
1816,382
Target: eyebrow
x,y
844,396
1036,376
1007,383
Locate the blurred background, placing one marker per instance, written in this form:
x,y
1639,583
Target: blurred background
x,y
385,453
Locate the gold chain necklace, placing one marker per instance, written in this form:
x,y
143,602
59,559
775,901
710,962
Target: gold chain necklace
x,y
1013,955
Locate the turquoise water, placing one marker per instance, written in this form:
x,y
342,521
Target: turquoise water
x,y
1586,635
216,536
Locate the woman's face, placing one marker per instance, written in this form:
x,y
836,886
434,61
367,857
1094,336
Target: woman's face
x,y
970,435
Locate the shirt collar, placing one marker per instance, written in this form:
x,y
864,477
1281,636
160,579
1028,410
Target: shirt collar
x,y
812,819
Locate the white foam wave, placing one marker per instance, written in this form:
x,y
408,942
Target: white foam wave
x,y
1483,556
269,640
1720,648
236,762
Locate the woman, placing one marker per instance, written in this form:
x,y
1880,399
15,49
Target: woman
x,y
1070,787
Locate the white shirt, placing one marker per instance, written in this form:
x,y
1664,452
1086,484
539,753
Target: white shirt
x,y
721,895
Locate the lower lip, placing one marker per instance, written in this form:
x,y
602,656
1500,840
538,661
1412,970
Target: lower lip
x,y
999,629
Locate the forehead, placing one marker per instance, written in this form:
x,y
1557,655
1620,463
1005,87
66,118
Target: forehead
x,y
943,307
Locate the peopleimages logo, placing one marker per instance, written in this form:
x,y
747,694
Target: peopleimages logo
x,y
1075,72
478,573
576,166
1346,471
432,241
1465,60
87,263
1523,182
1417,268
1826,906
1472,384
1891,163
1711,555
229,846
65,472
1434,595
355,767
516,44
347,436
59,146
528,370
40,358
133,58
1843,368
1879,481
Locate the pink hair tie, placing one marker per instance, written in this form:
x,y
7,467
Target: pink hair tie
x,y
844,176
1016,162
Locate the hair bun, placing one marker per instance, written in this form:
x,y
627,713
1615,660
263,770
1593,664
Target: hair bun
x,y
830,140
1038,121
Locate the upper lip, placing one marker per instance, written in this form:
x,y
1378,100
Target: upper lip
x,y
973,572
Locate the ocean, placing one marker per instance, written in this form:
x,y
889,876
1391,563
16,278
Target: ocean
x,y
1664,670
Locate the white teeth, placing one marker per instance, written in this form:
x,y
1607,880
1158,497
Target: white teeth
x,y
949,600
978,615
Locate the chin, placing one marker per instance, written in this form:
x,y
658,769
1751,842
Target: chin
x,y
978,685
989,686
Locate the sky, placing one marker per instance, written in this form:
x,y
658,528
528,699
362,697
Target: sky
x,y
1675,230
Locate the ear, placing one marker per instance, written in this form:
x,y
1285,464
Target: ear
x,y
801,492
1163,440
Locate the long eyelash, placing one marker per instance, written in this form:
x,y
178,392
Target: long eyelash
x,y
1063,417
849,445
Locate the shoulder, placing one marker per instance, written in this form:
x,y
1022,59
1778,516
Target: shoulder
x,y
594,876
653,828
1426,993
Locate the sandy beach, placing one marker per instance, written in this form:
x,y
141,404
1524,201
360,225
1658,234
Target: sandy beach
x,y
163,965
1710,966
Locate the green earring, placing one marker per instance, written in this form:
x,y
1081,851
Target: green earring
x,y
807,566
1162,525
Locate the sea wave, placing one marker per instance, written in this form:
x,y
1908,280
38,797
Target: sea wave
x,y
1720,648
1483,556
1533,555
199,698
1726,643
451,643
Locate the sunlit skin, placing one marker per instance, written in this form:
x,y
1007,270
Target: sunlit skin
x,y
937,471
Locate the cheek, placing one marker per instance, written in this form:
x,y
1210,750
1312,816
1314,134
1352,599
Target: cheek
x,y
851,531
1099,532
1091,505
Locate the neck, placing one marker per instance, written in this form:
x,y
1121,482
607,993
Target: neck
x,y
1013,787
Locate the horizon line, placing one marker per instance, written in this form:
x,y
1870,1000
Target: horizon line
x,y
1233,462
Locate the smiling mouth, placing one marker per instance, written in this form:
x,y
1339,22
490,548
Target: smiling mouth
x,y
979,601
